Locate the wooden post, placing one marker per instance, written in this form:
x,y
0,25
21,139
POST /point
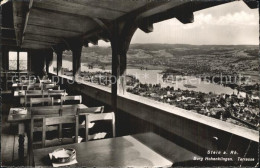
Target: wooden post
x,y
120,41
29,61
18,61
59,61
76,48
49,59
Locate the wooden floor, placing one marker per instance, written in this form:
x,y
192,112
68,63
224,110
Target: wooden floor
x,y
9,136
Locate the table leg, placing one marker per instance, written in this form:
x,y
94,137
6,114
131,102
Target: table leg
x,y
21,148
21,132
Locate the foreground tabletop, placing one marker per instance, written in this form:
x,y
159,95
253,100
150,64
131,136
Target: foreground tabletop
x,y
116,152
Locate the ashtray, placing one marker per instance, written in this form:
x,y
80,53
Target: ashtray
x,y
62,155
19,111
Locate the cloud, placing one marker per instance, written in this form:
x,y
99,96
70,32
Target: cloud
x,y
238,18
202,20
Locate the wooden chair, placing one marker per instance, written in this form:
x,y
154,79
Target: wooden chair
x,y
45,112
50,121
28,81
71,99
24,86
42,101
56,94
98,117
46,123
32,94
39,112
84,111
81,111
45,81
36,126
50,86
36,86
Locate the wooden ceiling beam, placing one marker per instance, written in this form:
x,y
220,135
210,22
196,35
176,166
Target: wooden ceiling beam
x,y
19,13
26,19
251,4
93,40
102,28
51,39
7,28
49,27
48,31
40,42
186,17
98,22
178,8
158,9
146,27
131,15
78,8
61,20
135,13
35,46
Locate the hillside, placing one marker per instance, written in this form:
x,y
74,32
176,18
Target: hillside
x,y
187,58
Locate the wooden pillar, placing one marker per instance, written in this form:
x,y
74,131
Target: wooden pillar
x,y
18,60
29,61
76,48
38,62
120,41
59,61
49,59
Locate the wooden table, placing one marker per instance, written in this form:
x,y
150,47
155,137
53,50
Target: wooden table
x,y
24,119
124,151
21,93
17,85
45,92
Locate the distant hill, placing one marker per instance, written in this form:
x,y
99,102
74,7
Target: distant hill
x,y
163,56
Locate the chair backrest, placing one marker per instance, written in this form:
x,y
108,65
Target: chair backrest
x,y
37,114
33,92
30,94
40,112
36,86
28,81
51,121
42,101
90,110
98,117
71,99
60,93
45,81
56,94
24,86
50,86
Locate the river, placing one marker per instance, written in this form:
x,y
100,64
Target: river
x,y
154,77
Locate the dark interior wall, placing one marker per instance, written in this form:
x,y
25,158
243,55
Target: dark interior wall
x,y
38,61
4,58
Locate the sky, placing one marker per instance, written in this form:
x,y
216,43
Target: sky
x,y
228,24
